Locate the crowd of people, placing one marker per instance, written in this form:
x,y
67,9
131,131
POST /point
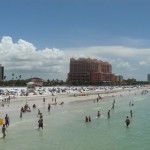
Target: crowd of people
x,y
26,108
127,120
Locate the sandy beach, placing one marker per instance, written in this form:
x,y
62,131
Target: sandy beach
x,y
17,101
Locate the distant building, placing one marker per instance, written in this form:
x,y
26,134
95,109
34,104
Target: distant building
x,y
86,69
148,77
36,81
117,78
1,72
120,78
33,83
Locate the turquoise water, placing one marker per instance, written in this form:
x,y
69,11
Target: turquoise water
x,y
65,129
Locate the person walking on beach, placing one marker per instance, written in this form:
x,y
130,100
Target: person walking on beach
x,y
7,120
108,113
127,121
131,113
4,130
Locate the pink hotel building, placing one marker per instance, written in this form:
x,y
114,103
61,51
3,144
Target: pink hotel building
x,y
86,69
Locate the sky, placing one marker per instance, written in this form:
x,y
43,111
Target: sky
x,y
38,37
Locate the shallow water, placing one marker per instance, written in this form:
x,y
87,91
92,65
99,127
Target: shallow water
x,y
65,129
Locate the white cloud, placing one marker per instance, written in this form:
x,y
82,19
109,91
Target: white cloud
x,y
118,51
121,64
25,57
124,65
113,51
142,63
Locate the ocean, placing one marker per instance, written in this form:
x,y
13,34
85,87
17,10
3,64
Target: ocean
x,y
65,127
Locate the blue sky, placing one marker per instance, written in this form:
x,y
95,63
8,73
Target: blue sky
x,y
105,29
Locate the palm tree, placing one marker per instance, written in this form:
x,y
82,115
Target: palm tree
x,y
48,82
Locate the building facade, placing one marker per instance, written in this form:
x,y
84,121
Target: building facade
x,y
1,72
86,69
117,78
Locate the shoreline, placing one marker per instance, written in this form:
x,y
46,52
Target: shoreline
x,y
74,97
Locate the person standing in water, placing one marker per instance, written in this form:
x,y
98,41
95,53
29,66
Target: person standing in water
x,y
7,120
4,130
108,113
127,121
20,114
98,114
113,106
131,113
86,119
40,122
89,119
